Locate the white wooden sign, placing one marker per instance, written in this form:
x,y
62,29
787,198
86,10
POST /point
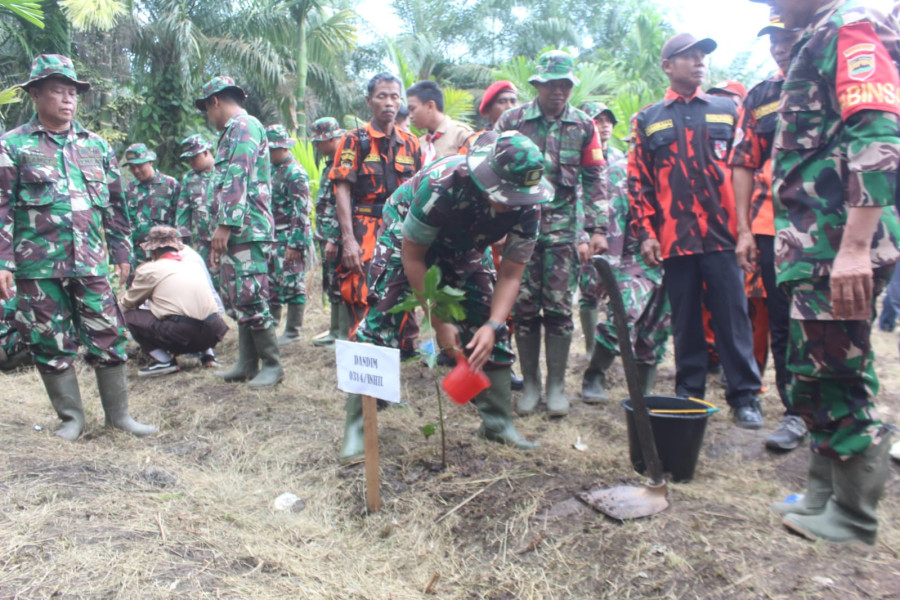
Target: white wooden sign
x,y
368,370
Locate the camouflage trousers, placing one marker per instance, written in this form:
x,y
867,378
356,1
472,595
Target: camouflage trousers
x,y
287,281
331,285
389,286
55,316
589,287
649,317
547,291
244,271
833,384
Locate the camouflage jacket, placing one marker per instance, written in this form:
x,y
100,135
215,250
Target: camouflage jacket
x,y
679,183
193,217
624,248
753,149
60,196
572,156
327,227
151,203
448,213
290,204
837,139
242,189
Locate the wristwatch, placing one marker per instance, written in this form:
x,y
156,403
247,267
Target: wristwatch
x,y
500,329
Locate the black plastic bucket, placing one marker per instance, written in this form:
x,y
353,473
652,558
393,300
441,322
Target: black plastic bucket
x,y
678,436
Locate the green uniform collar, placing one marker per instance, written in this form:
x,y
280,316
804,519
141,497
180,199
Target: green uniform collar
x,y
533,111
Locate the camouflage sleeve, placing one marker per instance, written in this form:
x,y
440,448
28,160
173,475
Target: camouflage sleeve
x,y
641,190
423,221
871,140
9,182
239,152
298,191
326,212
522,238
593,181
503,123
115,218
183,209
173,201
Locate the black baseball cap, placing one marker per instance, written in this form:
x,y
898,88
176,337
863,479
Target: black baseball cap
x,y
682,42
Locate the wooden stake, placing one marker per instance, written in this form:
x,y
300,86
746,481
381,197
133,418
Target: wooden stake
x,y
373,469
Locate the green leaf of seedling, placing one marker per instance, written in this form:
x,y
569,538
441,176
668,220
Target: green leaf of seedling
x,y
457,312
452,292
429,430
432,279
411,302
431,361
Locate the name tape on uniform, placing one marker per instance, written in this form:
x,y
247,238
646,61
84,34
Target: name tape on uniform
x,y
368,370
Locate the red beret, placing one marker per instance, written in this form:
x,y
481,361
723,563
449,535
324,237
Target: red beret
x,y
493,91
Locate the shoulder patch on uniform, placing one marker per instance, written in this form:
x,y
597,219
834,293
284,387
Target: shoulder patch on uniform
x,y
404,159
372,157
597,153
765,110
348,155
659,126
866,75
720,118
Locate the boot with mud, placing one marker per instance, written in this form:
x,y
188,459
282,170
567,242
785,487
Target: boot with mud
x,y
62,387
293,323
247,365
594,379
529,347
495,407
818,490
114,396
849,516
557,356
353,449
266,345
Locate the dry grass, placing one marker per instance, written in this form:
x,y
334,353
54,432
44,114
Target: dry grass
x,y
188,513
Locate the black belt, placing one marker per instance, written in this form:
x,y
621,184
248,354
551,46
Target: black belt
x,y
369,210
191,320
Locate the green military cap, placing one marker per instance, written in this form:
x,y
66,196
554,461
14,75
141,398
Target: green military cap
x,y
325,129
54,65
279,137
215,85
509,167
194,145
137,154
595,109
553,65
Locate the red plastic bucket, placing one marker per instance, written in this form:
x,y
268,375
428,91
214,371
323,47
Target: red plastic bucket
x,y
462,384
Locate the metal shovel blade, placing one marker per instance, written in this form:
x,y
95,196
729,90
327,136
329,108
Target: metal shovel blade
x,y
627,502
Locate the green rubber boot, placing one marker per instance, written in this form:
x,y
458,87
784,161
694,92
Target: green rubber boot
x,y
529,347
327,341
275,311
248,360
344,322
114,398
646,377
857,486
588,326
66,400
292,324
495,407
594,378
353,450
557,355
266,345
818,489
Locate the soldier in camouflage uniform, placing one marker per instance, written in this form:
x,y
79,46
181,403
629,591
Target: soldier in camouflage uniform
x,y
837,153
573,155
458,206
194,204
244,229
326,133
290,210
589,287
646,305
13,350
60,200
151,197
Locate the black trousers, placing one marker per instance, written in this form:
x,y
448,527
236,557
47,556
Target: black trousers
x,y
727,303
178,335
778,305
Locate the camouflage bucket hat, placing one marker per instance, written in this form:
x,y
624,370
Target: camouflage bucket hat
x,y
326,128
137,154
194,145
213,87
54,65
595,109
509,168
162,236
553,65
279,137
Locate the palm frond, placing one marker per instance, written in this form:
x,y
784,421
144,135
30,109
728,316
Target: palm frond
x,y
27,9
93,15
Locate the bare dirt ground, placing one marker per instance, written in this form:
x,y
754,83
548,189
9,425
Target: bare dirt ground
x,y
189,512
